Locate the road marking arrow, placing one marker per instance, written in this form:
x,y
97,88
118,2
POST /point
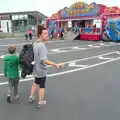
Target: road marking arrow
x,y
73,64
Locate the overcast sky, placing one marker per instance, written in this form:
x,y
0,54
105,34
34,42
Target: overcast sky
x,y
47,7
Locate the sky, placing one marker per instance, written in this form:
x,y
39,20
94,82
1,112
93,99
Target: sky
x,y
47,7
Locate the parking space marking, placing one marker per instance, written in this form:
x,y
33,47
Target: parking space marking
x,y
68,71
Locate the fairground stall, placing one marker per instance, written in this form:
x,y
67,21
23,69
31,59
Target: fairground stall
x,y
94,21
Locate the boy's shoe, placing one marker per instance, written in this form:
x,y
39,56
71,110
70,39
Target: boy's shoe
x,y
41,104
31,99
16,97
9,99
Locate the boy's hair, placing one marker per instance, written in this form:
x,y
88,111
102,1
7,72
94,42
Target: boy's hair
x,y
40,30
11,49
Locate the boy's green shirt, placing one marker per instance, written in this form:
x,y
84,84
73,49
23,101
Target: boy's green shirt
x,y
11,66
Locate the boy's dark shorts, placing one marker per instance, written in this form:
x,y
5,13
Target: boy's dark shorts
x,y
40,82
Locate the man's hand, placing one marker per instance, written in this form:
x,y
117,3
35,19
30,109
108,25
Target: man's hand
x,y
58,66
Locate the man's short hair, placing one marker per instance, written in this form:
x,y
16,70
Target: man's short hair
x,y
11,49
40,29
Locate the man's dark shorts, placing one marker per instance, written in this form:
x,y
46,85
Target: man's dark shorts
x,y
40,82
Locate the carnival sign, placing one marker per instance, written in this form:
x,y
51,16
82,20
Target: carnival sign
x,y
80,9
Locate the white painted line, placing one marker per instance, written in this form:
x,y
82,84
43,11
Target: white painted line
x,y
75,47
1,74
118,52
90,45
14,44
73,64
2,56
68,71
81,66
102,44
78,65
79,48
111,42
55,50
103,58
96,46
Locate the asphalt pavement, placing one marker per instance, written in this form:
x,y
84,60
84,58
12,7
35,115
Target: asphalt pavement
x,y
86,88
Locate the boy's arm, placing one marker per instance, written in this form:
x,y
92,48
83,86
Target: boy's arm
x,y
19,65
5,68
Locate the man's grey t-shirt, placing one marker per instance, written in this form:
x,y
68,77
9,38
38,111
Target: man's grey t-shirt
x,y
40,54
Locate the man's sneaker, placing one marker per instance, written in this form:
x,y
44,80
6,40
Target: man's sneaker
x,y
9,100
16,97
41,104
31,99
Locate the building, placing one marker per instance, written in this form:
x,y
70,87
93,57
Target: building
x,y
92,21
20,22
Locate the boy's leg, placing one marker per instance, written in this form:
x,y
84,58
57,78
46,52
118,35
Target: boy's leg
x,y
10,87
16,83
10,90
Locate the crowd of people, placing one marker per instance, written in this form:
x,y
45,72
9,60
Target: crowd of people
x,y
56,33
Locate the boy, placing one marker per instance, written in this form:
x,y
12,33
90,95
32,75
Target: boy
x,y
11,72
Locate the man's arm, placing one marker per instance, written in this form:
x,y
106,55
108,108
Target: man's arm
x,y
44,59
48,62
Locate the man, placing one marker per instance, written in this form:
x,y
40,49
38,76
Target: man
x,y
40,66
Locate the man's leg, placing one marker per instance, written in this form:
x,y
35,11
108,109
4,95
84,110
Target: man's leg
x,y
41,92
33,90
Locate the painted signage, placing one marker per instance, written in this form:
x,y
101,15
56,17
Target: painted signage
x,y
80,9
112,28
